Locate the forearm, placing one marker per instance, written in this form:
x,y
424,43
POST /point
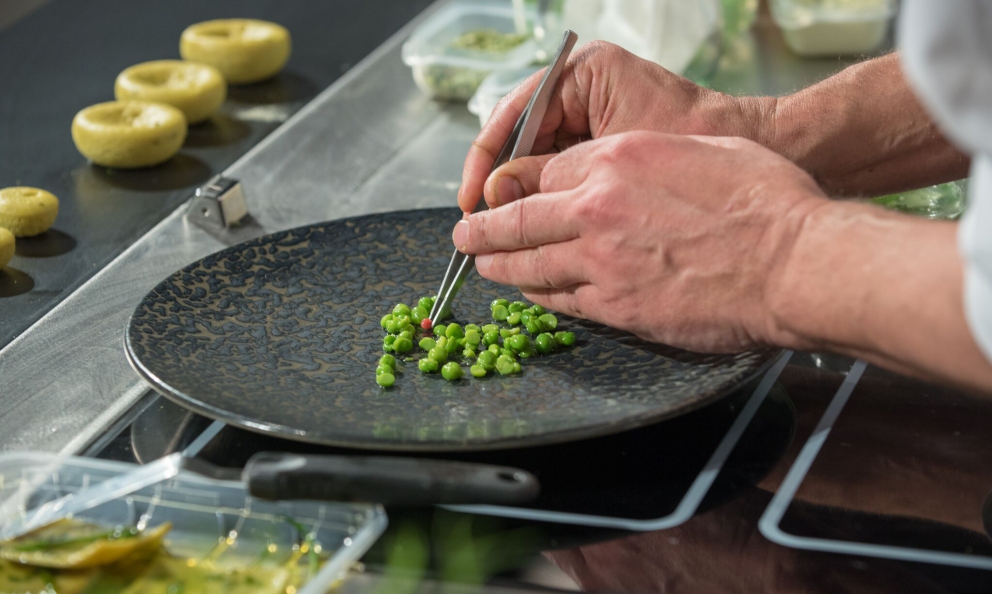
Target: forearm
x,y
861,132
881,286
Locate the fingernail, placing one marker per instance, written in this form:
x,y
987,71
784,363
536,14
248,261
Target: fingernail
x,y
508,189
460,235
482,263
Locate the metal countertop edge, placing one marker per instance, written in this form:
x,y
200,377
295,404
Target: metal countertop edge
x,y
45,409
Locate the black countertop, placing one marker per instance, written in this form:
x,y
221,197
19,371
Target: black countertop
x,y
66,55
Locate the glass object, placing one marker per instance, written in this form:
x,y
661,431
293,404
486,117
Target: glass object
x,y
944,201
215,521
833,27
443,70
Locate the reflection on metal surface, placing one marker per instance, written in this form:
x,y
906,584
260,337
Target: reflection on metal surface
x,y
46,245
773,528
14,282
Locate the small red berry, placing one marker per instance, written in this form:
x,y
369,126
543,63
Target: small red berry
x,y
425,324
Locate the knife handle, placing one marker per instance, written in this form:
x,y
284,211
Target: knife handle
x,y
386,480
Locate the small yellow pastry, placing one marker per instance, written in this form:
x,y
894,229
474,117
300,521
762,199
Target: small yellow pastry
x,y
129,134
195,89
6,247
27,211
244,50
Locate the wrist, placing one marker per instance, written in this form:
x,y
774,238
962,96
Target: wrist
x,y
797,291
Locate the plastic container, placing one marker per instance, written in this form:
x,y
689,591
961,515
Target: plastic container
x,y
833,27
496,86
443,71
203,513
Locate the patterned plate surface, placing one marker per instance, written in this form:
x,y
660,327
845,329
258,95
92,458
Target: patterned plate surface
x,y
281,334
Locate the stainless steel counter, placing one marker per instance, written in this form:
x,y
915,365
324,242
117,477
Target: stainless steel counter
x,y
371,142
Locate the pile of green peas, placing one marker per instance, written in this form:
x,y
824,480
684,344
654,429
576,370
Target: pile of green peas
x,y
485,349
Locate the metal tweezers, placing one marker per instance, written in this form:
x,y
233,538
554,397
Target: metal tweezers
x,y
519,144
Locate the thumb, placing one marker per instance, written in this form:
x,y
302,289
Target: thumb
x,y
515,180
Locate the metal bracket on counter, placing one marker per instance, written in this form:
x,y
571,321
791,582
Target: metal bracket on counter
x,y
219,204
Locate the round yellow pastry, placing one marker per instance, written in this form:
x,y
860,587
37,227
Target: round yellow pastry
x,y
195,89
129,134
6,247
27,211
244,50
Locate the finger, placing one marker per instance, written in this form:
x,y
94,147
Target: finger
x,y
549,266
540,219
569,168
572,300
515,180
487,146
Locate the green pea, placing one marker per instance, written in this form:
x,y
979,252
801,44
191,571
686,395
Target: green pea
x,y
427,365
517,306
533,326
477,371
488,360
516,367
409,328
383,369
500,313
418,314
548,321
468,353
508,353
565,338
539,310
442,342
401,309
526,316
393,326
490,328
426,302
518,342
453,346
470,327
451,371
438,354
427,343
388,342
439,330
402,345
387,360
513,318
454,331
473,338
385,320
545,343
508,332
386,380
504,365
503,302
494,349
406,334
526,354
490,338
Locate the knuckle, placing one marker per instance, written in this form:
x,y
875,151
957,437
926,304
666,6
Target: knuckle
x,y
592,207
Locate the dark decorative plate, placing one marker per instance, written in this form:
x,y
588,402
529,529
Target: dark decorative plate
x,y
281,334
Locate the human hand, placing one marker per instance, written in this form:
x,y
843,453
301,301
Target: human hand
x,y
679,240
606,90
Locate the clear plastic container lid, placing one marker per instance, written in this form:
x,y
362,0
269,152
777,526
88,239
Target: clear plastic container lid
x,y
496,86
431,42
204,513
795,14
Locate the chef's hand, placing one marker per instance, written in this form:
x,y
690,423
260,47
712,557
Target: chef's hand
x,y
605,90
677,239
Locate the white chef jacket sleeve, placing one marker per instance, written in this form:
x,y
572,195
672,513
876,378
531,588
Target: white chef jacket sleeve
x,y
946,50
